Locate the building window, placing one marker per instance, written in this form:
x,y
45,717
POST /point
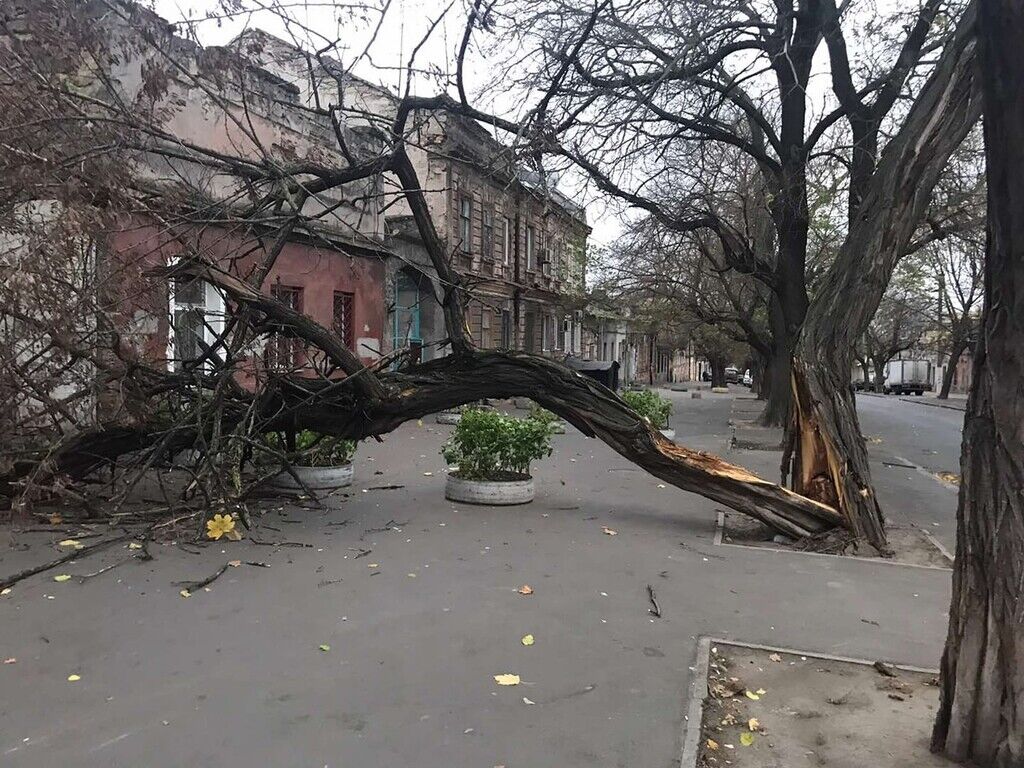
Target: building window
x,y
197,320
487,232
343,303
466,224
283,353
506,240
531,262
506,328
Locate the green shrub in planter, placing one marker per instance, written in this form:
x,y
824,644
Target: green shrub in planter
x,y
313,449
649,405
489,446
543,415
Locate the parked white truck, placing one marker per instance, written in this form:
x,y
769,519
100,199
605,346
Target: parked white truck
x,y
903,377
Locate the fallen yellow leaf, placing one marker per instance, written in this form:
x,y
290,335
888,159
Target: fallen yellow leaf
x,y
325,647
506,679
185,593
373,565
219,525
753,696
712,745
135,545
753,723
527,640
62,577
5,591
70,543
746,739
73,678
526,589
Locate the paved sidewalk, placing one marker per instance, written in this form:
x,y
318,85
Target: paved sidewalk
x,y
418,628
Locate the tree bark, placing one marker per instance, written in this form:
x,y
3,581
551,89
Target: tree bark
x,y
830,456
778,375
981,710
947,375
717,371
330,407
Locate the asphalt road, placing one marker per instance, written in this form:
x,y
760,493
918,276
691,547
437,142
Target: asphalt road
x,y
926,435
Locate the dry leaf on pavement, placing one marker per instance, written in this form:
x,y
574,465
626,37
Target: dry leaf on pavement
x,y
746,739
526,589
506,679
527,640
608,531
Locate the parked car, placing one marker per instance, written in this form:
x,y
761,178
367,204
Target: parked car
x,y
903,377
748,380
732,375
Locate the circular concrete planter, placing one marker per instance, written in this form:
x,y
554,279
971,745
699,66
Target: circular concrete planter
x,y
669,433
315,478
497,493
448,417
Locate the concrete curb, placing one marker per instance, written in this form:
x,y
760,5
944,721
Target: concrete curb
x,y
719,541
699,688
916,401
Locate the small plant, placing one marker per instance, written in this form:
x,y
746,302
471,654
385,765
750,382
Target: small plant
x,y
313,449
489,446
651,406
544,416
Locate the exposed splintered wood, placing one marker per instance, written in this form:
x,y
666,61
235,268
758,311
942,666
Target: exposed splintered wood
x,y
830,460
981,712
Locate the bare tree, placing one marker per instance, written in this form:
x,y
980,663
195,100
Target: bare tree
x,y
129,74
979,717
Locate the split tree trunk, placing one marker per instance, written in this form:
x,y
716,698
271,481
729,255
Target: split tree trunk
x,y
981,711
830,455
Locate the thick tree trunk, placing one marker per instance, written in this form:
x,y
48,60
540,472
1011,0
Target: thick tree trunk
x,y
778,376
329,407
879,363
981,711
947,375
717,371
831,456
866,370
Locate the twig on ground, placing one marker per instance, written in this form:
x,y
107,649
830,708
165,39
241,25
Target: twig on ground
x,y
655,610
362,552
328,582
884,669
73,555
192,586
262,543
385,487
112,566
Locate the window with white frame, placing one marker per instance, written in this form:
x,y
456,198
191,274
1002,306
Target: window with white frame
x,y
197,320
466,224
506,240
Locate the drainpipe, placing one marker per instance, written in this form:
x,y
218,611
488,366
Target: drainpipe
x,y
517,294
